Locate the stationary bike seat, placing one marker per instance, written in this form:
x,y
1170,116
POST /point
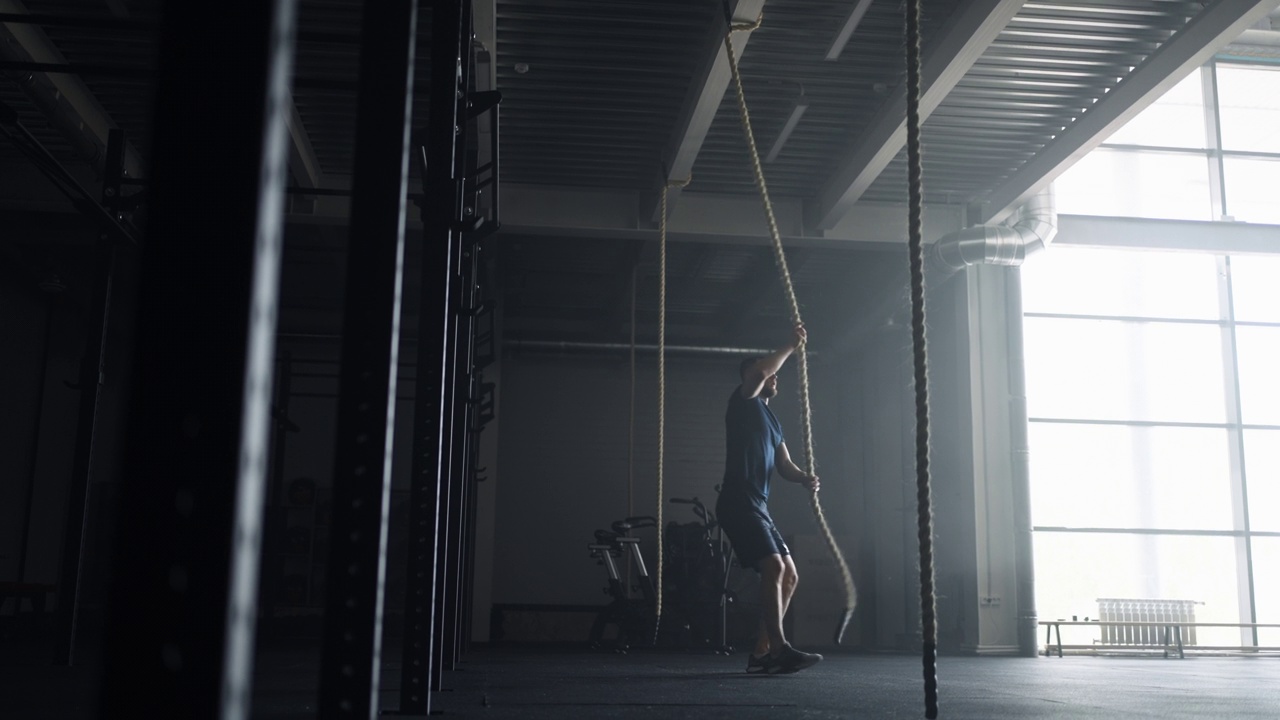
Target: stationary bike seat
x,y
634,523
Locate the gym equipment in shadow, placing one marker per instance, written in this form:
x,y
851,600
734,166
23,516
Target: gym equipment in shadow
x,y
697,580
633,617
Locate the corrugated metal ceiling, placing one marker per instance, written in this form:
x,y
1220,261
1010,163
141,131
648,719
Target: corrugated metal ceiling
x,y
593,93
786,57
1050,64
593,90
598,88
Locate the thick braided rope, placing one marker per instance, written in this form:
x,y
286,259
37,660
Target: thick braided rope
x,y
915,244
662,385
631,429
662,395
850,590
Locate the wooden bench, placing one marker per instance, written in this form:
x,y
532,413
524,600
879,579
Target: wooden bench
x,y
1168,635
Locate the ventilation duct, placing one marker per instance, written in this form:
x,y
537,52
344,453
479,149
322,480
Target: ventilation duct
x,y
1031,228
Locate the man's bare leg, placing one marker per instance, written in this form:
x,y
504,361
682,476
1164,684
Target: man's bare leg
x,y
778,579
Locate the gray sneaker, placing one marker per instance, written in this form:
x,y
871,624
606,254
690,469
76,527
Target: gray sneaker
x,y
760,663
789,660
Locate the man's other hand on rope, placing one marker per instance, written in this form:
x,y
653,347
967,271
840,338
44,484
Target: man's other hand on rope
x,y
792,473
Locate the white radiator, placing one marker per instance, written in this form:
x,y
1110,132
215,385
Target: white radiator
x,y
1125,610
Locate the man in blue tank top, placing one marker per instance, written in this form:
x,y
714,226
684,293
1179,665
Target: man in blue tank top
x,y
754,448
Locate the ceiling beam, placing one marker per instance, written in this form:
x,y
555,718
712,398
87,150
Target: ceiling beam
x,y
84,109
303,163
969,32
706,91
484,24
562,211
1217,25
850,25
1153,234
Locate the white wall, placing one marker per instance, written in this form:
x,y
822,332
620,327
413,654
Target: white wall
x,y
564,458
970,467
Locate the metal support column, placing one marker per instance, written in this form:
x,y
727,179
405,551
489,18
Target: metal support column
x,y
460,458
350,668
482,408
90,384
469,537
180,632
28,492
446,566
443,168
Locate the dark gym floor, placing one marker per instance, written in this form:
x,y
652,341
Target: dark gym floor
x,y
501,684
540,685
535,684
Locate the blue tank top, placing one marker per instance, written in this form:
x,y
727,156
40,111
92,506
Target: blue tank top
x,y
752,437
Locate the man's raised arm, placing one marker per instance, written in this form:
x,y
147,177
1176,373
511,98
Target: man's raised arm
x,y
755,375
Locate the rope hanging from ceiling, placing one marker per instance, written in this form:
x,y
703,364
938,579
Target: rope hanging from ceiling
x,y
928,612
780,258
662,386
924,516
915,248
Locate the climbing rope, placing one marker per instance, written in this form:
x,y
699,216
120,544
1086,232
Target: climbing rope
x,y
631,430
662,383
924,508
850,590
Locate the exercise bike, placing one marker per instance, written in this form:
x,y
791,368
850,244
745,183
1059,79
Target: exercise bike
x,y
697,578
633,617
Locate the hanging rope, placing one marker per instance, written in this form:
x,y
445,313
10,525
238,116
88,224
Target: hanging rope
x,y
662,383
915,246
806,422
631,430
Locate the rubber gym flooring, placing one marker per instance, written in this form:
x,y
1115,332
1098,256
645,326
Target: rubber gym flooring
x,y
536,684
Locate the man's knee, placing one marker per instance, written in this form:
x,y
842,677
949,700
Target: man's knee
x,y
790,578
772,569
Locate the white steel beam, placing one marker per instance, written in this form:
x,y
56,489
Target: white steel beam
x,y
856,12
1217,25
968,34
1150,234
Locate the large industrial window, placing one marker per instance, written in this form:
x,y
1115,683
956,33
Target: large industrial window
x,y
1155,433
1207,150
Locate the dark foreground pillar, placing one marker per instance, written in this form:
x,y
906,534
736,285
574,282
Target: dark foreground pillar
x,y
352,657
184,577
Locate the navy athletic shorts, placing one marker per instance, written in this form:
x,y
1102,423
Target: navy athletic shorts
x,y
752,534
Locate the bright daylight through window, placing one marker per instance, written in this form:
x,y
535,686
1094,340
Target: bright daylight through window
x,y
1151,384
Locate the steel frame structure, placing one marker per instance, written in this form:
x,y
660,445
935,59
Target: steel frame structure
x,y
442,497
